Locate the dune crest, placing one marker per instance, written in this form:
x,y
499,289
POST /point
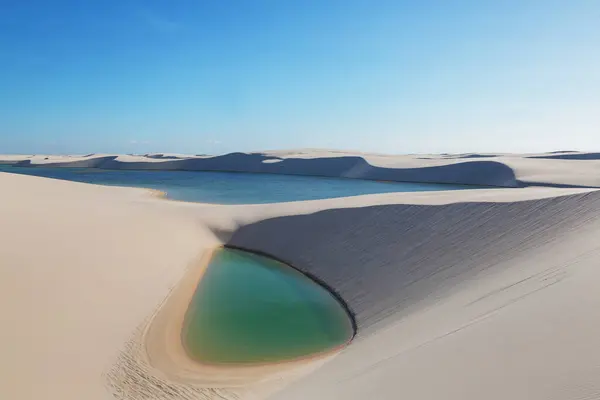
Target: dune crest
x,y
559,169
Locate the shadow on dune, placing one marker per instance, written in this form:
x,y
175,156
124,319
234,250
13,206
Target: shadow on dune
x,y
97,162
386,260
161,157
477,156
488,173
458,156
571,156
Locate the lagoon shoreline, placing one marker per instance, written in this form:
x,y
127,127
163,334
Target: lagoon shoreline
x,y
555,169
165,350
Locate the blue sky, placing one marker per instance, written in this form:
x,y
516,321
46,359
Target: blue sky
x,y
213,76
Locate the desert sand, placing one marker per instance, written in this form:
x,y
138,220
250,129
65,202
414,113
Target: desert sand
x,y
473,294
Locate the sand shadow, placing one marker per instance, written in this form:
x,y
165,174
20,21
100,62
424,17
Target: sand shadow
x,y
488,173
385,260
485,173
570,156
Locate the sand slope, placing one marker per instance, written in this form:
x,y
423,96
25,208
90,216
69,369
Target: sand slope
x,y
457,295
81,267
460,301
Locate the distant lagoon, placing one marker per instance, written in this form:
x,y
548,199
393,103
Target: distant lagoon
x,y
230,187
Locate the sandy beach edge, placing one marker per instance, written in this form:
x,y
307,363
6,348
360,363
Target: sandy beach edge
x,y
165,351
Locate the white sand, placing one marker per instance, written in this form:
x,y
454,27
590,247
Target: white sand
x,y
477,294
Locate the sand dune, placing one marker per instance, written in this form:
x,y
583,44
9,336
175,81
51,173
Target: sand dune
x,y
474,294
504,170
570,156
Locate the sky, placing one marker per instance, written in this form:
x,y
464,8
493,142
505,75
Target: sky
x,y
216,76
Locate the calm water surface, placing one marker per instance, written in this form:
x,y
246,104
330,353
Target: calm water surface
x,y
251,309
230,188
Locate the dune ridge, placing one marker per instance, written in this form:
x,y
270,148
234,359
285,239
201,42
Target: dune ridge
x,y
419,275
409,252
343,166
557,169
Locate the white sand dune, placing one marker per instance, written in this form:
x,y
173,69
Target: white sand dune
x,y
475,294
504,170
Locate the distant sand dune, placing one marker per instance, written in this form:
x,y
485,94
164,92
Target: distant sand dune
x,y
476,173
503,170
570,156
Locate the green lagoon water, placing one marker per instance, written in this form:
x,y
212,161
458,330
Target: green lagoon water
x,y
252,309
